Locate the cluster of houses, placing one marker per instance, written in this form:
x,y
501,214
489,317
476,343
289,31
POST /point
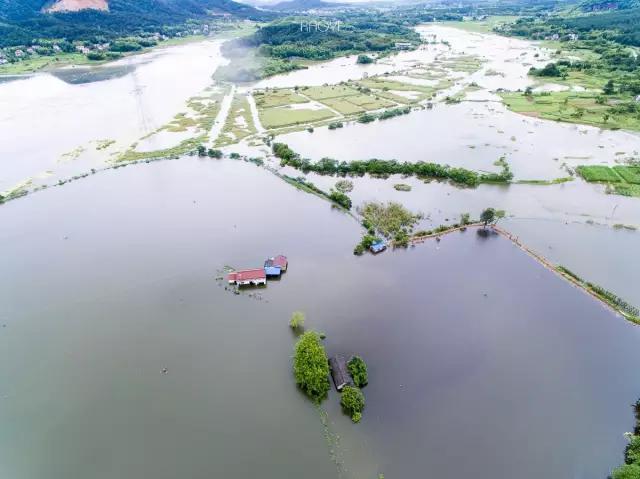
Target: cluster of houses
x,y
273,268
14,54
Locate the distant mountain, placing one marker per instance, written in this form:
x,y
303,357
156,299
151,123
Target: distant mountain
x,y
302,5
23,20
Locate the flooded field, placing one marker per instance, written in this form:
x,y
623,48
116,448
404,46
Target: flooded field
x,y
52,124
471,345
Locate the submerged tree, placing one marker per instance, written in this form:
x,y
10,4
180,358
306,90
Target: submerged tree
x,y
297,320
358,370
352,401
487,216
311,366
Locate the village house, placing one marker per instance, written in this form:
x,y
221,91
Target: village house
x,y
248,277
56,48
18,53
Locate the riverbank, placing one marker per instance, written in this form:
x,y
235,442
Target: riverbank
x,y
42,63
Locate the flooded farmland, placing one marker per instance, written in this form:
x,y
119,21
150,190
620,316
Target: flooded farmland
x,y
468,343
122,354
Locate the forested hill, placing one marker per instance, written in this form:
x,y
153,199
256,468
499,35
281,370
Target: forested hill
x,y
606,5
21,21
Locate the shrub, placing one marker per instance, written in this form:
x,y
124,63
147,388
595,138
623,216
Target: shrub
x,y
341,199
297,320
311,366
344,186
358,370
364,59
352,401
214,153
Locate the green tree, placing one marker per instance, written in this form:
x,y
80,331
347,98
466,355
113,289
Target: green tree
x,y
609,88
364,59
632,454
487,216
465,219
341,199
358,370
211,153
202,150
628,471
297,320
311,366
352,401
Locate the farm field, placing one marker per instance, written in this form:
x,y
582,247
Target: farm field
x,y
621,180
571,107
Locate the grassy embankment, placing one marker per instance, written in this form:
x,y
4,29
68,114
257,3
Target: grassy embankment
x,y
620,179
625,309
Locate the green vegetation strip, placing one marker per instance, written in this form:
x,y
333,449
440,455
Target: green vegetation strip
x,y
385,168
627,310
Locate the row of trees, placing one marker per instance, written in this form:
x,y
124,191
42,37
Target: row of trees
x,y
385,168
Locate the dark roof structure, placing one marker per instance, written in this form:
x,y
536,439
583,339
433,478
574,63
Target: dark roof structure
x,y
339,372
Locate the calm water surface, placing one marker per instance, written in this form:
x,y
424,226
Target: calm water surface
x,y
482,363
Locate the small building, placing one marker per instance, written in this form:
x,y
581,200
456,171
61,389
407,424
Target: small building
x,y
339,372
18,53
638,99
271,270
403,45
281,262
378,247
248,277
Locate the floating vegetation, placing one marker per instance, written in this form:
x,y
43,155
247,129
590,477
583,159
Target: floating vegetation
x,y
104,144
344,186
402,187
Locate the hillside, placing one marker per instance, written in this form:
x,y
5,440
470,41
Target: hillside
x,y
21,21
77,5
302,5
607,5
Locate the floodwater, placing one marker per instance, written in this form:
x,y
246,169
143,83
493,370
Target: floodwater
x,y
51,123
481,361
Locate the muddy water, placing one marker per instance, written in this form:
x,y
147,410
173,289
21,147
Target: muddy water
x,y
471,345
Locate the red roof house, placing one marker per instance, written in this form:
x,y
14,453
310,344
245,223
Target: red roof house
x,y
247,277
